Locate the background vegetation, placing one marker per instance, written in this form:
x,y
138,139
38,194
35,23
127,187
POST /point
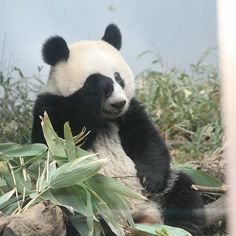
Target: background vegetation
x,y
17,94
185,106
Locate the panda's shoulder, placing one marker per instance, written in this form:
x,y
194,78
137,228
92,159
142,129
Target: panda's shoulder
x,y
48,98
47,101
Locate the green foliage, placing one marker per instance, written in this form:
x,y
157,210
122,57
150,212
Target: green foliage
x,y
186,107
161,230
199,177
17,93
68,177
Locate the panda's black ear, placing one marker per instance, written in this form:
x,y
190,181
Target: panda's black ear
x,y
55,49
112,35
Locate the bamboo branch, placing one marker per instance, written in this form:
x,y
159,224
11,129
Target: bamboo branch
x,y
221,189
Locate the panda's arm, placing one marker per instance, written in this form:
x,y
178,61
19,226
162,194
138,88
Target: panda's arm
x,y
81,109
37,134
76,109
143,144
56,109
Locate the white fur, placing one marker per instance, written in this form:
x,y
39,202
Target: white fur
x,y
120,166
66,77
117,95
86,58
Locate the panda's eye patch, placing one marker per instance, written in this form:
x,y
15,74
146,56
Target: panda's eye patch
x,y
108,88
119,80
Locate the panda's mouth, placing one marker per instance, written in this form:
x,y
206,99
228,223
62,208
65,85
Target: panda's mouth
x,y
112,113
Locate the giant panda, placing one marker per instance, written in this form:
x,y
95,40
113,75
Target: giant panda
x,y
91,85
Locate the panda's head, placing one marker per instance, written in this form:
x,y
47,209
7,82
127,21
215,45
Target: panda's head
x,y
71,65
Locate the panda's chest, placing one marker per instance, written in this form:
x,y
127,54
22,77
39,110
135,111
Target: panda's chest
x,y
120,166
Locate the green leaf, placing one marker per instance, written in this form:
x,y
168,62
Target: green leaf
x,y
113,207
23,181
75,172
27,150
45,177
98,230
70,147
10,208
114,185
59,158
55,144
73,198
89,210
111,219
161,230
41,157
199,177
11,205
80,137
6,147
79,222
2,182
5,197
82,153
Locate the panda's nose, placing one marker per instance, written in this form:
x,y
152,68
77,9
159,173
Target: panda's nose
x,y
119,105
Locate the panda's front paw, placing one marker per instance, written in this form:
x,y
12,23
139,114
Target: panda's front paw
x,y
152,182
98,84
92,94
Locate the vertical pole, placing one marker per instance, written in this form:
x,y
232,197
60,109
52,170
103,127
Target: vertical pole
x,y
226,10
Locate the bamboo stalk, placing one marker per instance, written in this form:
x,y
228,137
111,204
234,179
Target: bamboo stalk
x,y
222,189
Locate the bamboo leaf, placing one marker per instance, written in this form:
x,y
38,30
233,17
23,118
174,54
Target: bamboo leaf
x,y
111,219
23,181
113,208
55,144
6,147
112,185
82,153
98,230
161,230
75,172
79,222
199,177
34,159
27,150
89,211
70,147
5,197
80,137
10,208
73,198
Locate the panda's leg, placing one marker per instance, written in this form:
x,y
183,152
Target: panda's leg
x,y
182,205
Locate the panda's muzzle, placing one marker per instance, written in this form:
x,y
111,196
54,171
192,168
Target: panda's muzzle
x,y
115,100
118,105
114,109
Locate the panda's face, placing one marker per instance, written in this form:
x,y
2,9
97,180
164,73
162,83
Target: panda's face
x,y
72,65
115,101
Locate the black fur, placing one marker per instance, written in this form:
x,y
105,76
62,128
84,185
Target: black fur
x,y
143,144
54,50
112,36
139,138
81,109
183,206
